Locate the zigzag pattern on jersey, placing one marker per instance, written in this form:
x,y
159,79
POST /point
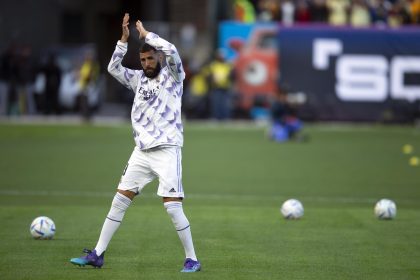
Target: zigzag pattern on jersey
x,y
140,116
171,88
158,120
170,140
128,75
165,112
141,145
149,127
175,67
180,127
117,55
158,103
176,115
171,117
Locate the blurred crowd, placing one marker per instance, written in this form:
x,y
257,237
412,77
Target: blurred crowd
x,y
209,90
16,78
210,93
357,13
44,84
39,84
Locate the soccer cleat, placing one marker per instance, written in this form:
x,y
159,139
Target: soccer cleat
x,y
191,266
90,259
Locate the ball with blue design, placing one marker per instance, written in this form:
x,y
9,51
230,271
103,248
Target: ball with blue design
x,y
292,209
385,209
42,228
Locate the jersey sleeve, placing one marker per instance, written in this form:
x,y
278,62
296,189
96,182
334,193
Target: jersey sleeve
x,y
173,60
124,75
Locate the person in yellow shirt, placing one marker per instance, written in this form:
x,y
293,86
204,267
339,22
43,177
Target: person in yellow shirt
x,y
414,8
338,12
220,81
359,15
88,74
244,11
197,95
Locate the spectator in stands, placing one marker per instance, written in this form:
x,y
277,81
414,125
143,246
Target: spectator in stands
x,y
219,76
318,11
5,69
25,81
197,98
359,14
338,11
244,11
399,15
269,10
288,12
52,74
379,11
88,75
13,68
302,13
415,11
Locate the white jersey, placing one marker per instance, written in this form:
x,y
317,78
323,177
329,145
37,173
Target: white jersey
x,y
156,111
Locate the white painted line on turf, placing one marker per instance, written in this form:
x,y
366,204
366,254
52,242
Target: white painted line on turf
x,y
55,193
220,197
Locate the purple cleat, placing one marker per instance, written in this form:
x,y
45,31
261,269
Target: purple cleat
x,y
90,259
191,266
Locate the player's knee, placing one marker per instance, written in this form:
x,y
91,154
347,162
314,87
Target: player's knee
x,y
172,204
168,199
129,194
173,207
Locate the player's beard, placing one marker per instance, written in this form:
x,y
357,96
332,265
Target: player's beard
x,y
152,72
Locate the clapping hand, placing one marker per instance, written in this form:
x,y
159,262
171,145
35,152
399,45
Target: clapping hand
x,y
140,28
125,30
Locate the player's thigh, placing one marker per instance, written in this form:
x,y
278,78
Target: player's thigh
x,y
167,164
137,173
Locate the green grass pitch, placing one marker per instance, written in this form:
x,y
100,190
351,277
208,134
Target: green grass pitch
x,y
235,181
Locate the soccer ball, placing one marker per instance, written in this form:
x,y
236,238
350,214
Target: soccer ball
x,y
42,228
385,209
292,209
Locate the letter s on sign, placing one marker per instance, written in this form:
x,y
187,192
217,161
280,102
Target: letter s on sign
x,y
362,78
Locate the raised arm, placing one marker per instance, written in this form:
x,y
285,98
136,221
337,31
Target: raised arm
x,y
125,30
173,60
124,75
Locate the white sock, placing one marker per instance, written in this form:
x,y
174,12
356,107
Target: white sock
x,y
182,226
112,222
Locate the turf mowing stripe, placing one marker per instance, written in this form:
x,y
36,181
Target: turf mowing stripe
x,y
344,200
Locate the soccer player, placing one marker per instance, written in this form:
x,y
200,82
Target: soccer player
x,y
158,134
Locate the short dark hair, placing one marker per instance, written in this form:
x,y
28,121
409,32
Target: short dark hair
x,y
146,47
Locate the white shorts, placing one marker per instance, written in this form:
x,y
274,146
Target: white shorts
x,y
145,165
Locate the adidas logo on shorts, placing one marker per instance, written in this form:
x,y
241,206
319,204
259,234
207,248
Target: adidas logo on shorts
x,y
172,190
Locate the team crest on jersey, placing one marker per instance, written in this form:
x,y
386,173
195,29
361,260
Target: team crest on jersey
x,y
147,94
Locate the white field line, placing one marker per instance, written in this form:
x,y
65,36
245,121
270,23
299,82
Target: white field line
x,y
323,127
105,121
71,120
213,197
